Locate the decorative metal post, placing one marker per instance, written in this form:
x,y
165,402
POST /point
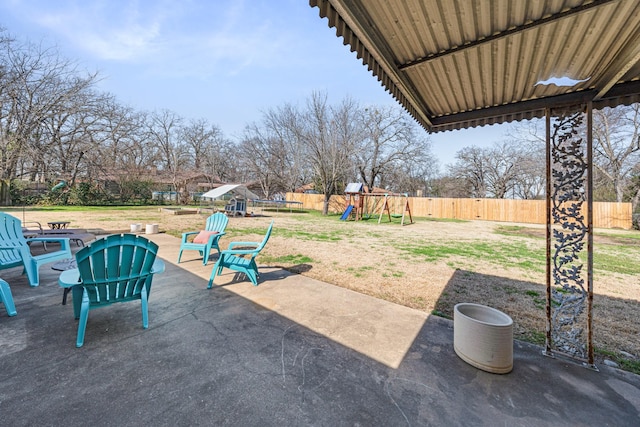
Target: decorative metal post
x,y
569,233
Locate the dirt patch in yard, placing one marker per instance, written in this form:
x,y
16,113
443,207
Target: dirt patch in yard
x,y
428,265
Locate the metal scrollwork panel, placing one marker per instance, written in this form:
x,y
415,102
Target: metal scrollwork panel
x,y
568,308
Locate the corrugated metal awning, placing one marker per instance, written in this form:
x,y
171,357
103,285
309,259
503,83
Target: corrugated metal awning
x,y
466,63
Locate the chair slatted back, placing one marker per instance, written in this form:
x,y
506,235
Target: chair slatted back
x,y
264,241
217,222
116,268
11,229
11,236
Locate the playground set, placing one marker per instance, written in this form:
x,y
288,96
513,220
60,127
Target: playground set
x,y
360,205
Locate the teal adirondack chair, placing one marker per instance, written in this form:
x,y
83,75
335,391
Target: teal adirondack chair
x,y
7,298
241,260
117,268
207,239
14,250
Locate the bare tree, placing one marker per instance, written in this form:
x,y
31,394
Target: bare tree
x,y
616,143
220,157
292,146
415,176
388,143
471,168
199,135
634,193
530,176
503,164
284,125
450,186
507,169
67,140
172,154
36,86
330,136
120,143
54,125
272,150
261,156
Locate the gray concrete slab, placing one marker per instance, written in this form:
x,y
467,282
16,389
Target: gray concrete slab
x,y
292,351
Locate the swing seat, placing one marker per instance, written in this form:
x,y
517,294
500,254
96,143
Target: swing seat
x,y
386,207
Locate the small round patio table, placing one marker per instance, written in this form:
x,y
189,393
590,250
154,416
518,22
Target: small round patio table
x,y
64,265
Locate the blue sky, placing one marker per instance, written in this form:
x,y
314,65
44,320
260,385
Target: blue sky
x,y
223,60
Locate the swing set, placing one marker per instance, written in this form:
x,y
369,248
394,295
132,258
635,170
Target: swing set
x,y
360,205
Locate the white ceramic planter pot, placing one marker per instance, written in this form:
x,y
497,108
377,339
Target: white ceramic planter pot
x,y
483,337
151,229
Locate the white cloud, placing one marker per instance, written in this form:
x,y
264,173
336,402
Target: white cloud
x,y
196,38
103,30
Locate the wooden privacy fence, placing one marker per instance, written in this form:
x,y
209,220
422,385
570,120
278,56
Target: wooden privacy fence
x,y
605,214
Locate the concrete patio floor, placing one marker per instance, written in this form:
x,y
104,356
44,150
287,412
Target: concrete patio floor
x,y
291,352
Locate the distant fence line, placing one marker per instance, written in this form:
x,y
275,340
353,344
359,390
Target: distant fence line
x,y
605,214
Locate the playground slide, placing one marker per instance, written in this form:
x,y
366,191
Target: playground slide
x,y
346,213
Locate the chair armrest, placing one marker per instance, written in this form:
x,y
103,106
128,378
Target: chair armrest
x,y
69,278
214,237
49,239
158,266
234,244
239,252
25,226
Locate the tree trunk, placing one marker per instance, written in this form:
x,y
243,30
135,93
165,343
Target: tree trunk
x,y
5,194
325,203
635,201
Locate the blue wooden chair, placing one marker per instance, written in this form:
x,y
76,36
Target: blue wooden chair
x,y
207,239
241,260
14,250
7,298
117,268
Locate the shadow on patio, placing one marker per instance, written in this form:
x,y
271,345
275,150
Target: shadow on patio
x,y
292,351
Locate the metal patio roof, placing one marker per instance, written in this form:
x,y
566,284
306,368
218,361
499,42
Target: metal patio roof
x,y
455,64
